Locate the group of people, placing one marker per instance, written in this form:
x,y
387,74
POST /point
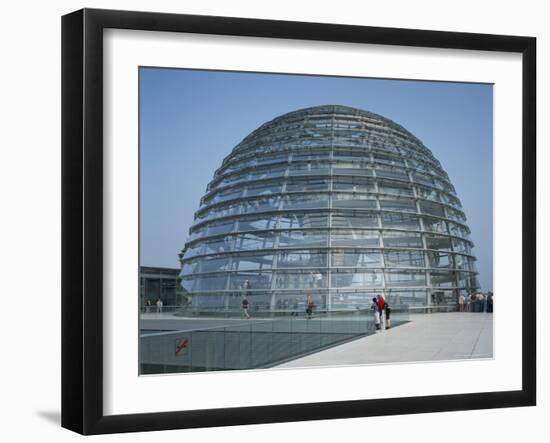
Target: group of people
x,y
380,307
382,312
149,305
245,302
476,302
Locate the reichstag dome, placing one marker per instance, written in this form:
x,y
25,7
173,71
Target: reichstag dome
x,y
331,201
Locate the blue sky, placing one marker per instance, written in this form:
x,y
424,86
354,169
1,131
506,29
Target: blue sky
x,y
190,120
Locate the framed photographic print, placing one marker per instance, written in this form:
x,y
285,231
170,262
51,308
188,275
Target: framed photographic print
x,y
261,218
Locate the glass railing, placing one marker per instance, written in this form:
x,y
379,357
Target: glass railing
x,y
239,344
163,309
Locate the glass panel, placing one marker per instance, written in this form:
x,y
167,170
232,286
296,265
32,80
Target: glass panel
x,y
404,221
261,205
465,279
287,301
256,280
346,138
264,189
392,173
301,259
220,228
227,195
190,267
441,184
389,146
357,259
443,297
455,215
253,240
354,237
242,164
215,264
210,283
349,168
307,185
387,159
267,173
402,239
464,263
220,245
349,279
323,123
415,164
196,249
354,300
209,302
311,168
450,199
253,224
406,298
438,242
398,205
355,201
352,219
222,211
440,260
188,283
344,154
414,259
458,230
303,221
353,184
197,233
273,158
303,238
434,225
394,279
346,124
305,201
461,246
428,194
354,164
432,208
301,279
310,156
236,178
442,279
386,188
244,263
423,179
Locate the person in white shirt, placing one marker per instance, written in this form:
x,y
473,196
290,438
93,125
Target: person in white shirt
x,y
461,301
376,311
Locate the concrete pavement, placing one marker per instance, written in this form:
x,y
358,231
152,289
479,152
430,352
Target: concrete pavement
x,y
428,337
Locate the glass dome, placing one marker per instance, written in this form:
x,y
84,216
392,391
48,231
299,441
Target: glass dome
x,y
331,201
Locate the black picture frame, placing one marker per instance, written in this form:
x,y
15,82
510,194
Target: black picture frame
x,y
82,218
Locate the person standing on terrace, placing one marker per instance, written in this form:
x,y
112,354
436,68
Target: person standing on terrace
x,y
376,311
309,306
381,302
